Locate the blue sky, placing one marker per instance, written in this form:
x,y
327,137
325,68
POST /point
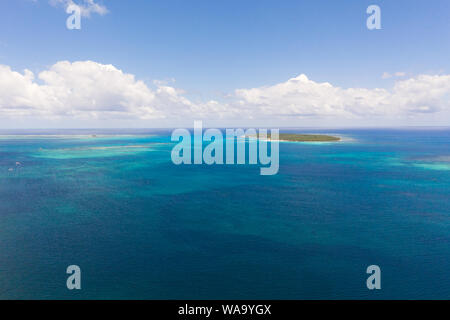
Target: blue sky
x,y
211,48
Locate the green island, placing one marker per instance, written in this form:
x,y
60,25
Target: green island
x,y
305,137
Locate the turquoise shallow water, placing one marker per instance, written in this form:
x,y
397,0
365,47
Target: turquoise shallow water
x,y
142,228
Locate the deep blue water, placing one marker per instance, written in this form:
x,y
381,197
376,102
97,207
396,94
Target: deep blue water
x,y
142,228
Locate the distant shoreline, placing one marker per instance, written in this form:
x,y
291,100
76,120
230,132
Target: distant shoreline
x,y
294,137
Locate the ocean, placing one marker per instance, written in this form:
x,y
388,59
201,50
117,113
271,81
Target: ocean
x,y
140,227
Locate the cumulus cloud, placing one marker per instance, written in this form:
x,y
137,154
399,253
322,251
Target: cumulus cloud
x,y
85,89
91,90
87,6
303,97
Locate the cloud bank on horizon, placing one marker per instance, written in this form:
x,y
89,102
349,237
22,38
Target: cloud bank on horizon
x,y
88,90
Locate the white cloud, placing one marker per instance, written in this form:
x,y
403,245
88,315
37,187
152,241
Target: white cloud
x,y
398,74
87,6
386,75
89,90
84,89
302,97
